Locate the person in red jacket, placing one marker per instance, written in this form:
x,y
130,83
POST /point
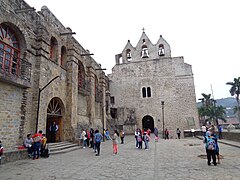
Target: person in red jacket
x,y
37,138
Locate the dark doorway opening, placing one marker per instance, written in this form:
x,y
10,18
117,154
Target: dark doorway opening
x,y
148,122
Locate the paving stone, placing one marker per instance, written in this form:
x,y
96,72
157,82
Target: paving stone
x,y
166,159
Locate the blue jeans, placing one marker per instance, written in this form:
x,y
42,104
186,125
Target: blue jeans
x,y
84,143
146,145
98,147
36,147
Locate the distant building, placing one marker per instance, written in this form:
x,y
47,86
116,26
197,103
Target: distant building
x,y
142,78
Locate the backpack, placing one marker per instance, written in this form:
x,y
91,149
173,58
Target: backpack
x,y
139,138
210,143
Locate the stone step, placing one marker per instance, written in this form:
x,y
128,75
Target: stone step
x,y
61,147
60,151
58,144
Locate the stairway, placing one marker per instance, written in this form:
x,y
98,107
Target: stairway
x,y
61,147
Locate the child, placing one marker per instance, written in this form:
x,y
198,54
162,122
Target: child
x,y
139,139
122,135
146,139
44,148
28,144
115,142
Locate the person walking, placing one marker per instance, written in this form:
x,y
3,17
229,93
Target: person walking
x,y
122,136
84,138
137,132
178,133
210,146
166,133
139,139
88,137
146,139
156,134
213,134
91,138
98,139
115,141
220,129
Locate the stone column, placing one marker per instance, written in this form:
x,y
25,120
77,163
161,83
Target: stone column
x,y
102,83
70,122
91,98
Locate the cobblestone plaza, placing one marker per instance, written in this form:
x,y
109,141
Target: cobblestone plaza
x,y
166,159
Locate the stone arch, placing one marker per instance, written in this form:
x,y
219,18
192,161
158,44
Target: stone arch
x,y
20,37
148,122
56,112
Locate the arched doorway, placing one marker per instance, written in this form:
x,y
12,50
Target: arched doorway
x,y
148,122
54,114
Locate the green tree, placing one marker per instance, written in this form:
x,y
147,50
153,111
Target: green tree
x,y
236,110
235,90
209,111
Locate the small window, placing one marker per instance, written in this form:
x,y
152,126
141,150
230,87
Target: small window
x,y
112,100
148,92
63,57
113,112
143,92
53,50
129,55
107,106
81,76
161,51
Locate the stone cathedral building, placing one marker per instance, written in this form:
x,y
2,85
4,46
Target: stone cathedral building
x,y
45,76
149,88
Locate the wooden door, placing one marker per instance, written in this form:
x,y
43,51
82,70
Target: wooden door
x,y
58,120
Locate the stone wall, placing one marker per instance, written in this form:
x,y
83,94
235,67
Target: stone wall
x,y
10,114
232,136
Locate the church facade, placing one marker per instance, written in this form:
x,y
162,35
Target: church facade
x,y
46,76
149,88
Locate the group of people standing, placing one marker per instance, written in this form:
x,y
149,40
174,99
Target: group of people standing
x,y
93,139
142,136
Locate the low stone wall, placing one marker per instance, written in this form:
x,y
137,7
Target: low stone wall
x,y
189,133
233,136
14,155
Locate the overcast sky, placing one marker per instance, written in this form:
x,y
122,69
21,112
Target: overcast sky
x,y
205,32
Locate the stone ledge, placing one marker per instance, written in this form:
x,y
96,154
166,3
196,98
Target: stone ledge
x,y
14,155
